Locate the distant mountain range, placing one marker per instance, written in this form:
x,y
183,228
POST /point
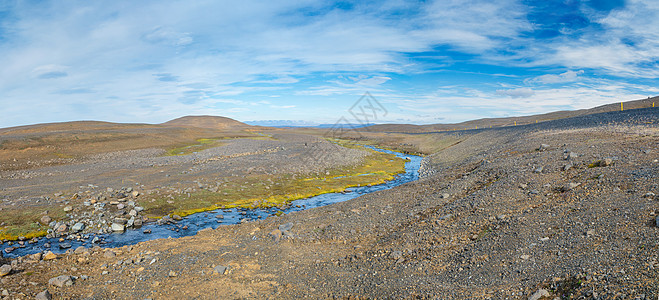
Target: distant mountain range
x,y
300,123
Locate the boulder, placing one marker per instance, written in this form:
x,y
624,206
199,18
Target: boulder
x,y
5,270
61,281
77,227
116,227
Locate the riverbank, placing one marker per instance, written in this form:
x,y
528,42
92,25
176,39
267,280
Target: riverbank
x,y
509,213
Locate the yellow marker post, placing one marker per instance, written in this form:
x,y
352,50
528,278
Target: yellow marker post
x,y
476,126
652,104
620,106
515,123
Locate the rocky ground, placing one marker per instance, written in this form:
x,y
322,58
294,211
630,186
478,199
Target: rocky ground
x,y
108,192
562,209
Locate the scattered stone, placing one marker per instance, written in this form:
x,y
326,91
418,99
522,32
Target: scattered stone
x,y
221,270
276,235
77,227
109,254
116,227
286,227
61,281
523,186
120,206
5,270
135,193
569,186
49,256
567,167
68,208
64,245
539,294
146,231
543,147
81,250
176,218
219,216
62,228
45,295
604,162
525,257
171,274
656,221
571,155
649,195
445,195
45,220
539,169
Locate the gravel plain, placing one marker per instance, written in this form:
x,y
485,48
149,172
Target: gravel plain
x,y
564,209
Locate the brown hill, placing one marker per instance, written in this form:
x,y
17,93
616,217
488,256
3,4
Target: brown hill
x,y
500,122
211,122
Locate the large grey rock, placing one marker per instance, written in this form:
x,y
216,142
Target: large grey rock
x,y
61,281
45,295
45,220
5,270
656,221
77,227
118,227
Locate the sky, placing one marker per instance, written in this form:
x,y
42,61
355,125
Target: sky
x,y
310,61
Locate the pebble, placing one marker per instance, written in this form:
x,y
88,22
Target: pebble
x,y
64,245
525,257
61,281
109,254
146,231
172,274
68,208
176,218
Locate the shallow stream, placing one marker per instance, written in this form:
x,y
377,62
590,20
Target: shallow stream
x,y
211,219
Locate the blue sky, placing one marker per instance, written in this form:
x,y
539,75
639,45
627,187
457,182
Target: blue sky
x,y
425,62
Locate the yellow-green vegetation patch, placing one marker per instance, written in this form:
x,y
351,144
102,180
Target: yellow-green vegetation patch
x,y
207,143
265,191
24,222
201,144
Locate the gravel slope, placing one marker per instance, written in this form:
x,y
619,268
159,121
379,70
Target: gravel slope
x,y
502,217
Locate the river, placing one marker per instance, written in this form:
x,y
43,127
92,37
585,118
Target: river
x,y
210,219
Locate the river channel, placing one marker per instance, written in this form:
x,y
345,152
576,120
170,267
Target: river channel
x,y
190,225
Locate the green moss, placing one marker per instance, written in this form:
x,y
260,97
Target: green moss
x,y
261,191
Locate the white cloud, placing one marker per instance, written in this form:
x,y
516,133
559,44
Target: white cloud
x,y
568,76
517,93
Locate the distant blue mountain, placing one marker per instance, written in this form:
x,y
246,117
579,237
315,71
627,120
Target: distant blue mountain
x,y
300,123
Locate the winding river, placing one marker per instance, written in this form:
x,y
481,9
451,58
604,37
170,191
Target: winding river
x,y
190,225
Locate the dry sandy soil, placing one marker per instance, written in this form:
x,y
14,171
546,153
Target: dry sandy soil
x,y
564,208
